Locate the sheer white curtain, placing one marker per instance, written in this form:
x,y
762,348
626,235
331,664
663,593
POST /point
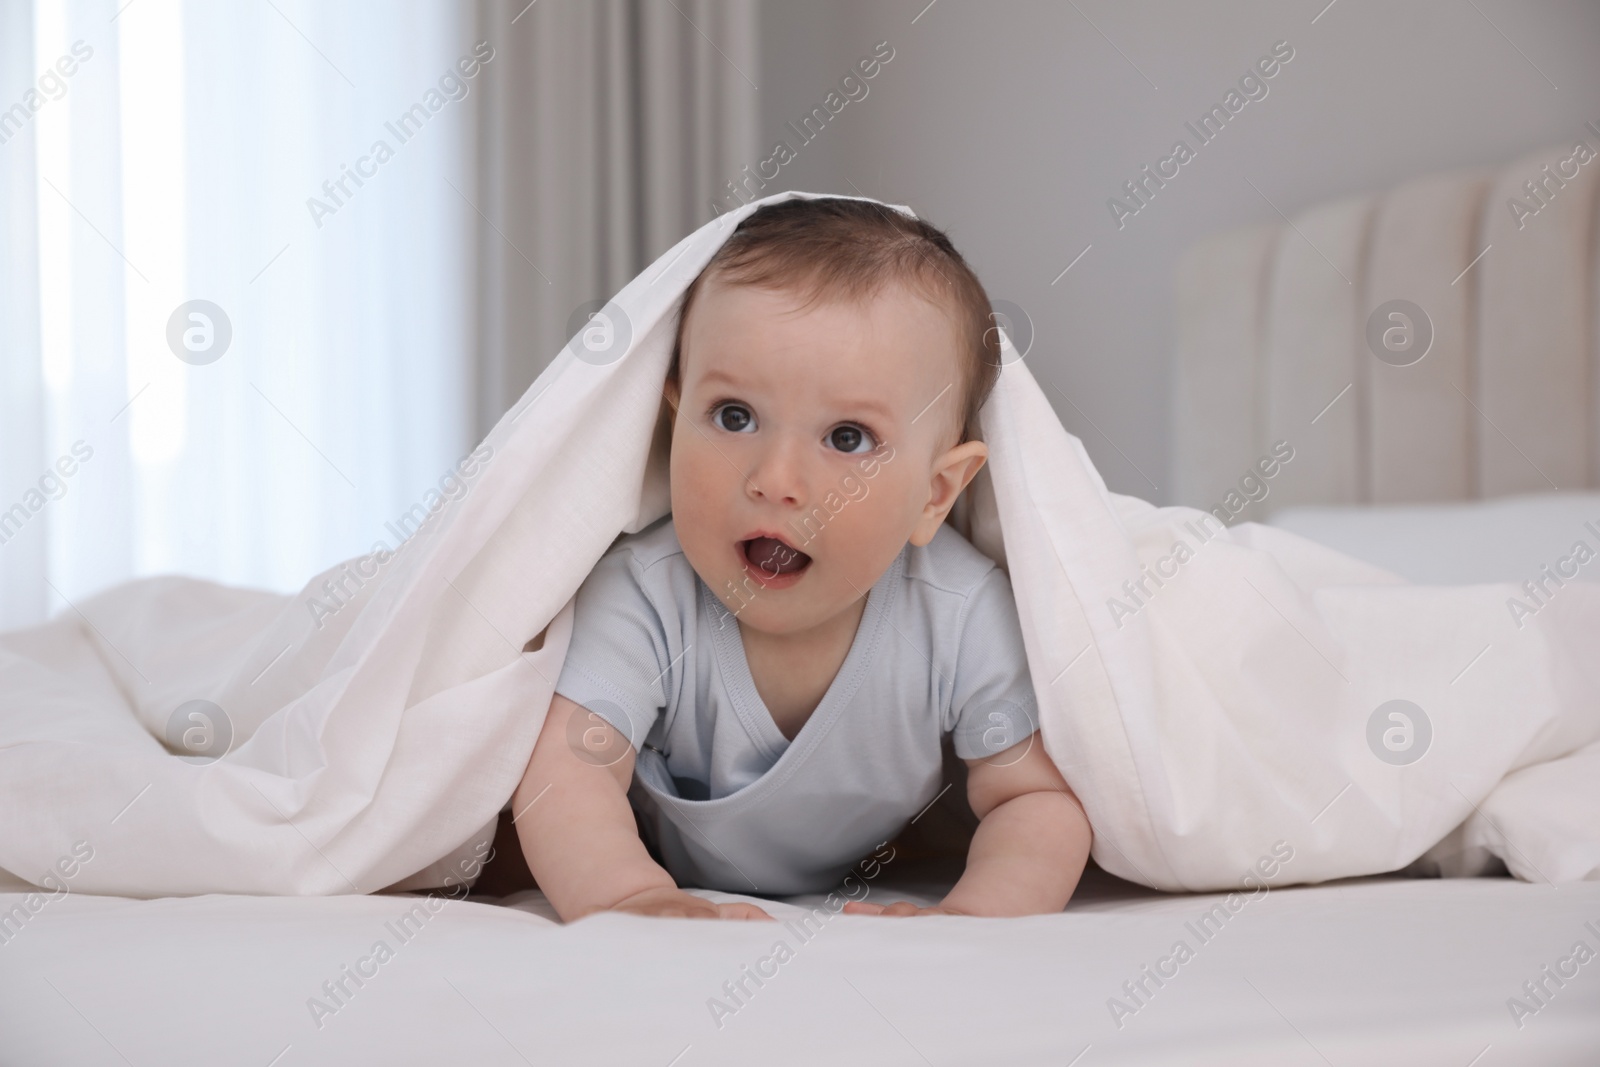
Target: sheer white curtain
x,y
156,153
392,210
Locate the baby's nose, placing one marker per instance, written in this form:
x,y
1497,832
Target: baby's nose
x,y
778,477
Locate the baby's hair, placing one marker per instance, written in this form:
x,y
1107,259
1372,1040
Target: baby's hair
x,y
836,248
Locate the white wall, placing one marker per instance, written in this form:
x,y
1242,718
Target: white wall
x,y
1011,122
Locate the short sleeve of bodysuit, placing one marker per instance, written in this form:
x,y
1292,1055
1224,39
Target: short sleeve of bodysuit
x,y
992,703
620,653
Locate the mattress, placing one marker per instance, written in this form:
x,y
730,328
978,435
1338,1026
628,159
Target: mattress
x,y
1374,971
1378,970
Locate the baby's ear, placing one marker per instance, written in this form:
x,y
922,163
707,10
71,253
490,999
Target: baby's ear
x,y
952,471
957,468
669,389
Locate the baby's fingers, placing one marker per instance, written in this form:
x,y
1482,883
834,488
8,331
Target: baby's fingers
x,y
898,908
738,910
861,907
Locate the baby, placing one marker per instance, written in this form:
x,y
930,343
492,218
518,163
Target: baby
x,y
758,686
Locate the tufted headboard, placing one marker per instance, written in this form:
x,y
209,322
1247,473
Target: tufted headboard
x,y
1281,327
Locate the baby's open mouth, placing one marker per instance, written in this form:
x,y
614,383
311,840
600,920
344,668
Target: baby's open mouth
x,y
772,557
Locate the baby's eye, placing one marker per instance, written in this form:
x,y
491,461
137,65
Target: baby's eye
x,y
735,418
851,438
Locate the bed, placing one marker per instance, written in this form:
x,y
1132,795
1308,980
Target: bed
x,y
1479,466
1380,970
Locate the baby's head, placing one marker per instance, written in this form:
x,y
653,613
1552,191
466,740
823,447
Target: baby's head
x,y
830,363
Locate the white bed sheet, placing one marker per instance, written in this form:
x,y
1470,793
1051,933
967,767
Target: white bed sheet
x,y
1371,971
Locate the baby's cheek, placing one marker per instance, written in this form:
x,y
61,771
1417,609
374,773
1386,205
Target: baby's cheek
x,y
889,499
870,532
694,473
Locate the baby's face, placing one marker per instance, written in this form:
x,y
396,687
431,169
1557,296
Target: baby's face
x,y
809,445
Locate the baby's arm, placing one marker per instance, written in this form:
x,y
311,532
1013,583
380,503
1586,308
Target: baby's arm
x,y
1031,844
1032,840
578,834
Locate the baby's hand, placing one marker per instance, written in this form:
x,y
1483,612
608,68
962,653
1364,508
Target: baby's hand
x,y
899,907
675,903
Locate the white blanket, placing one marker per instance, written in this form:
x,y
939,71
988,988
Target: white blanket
x,y
1208,724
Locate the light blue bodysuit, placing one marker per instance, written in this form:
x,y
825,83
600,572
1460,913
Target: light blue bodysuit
x,y
724,800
